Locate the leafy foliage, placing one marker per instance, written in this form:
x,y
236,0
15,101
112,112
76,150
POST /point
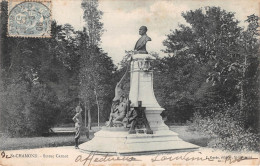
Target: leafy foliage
x,y
212,64
227,129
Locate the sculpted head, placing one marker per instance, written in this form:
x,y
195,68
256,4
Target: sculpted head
x,y
78,110
142,30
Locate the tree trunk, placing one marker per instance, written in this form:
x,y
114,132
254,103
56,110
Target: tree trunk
x,y
242,84
97,104
89,117
85,113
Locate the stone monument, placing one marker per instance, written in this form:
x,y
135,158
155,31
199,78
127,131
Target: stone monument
x,y
142,130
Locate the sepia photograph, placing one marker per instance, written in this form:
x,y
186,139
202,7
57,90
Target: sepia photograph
x,y
129,82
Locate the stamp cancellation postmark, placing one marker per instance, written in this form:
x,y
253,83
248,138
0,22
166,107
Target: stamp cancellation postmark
x,y
29,18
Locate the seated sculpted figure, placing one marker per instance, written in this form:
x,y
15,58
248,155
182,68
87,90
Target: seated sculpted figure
x,y
136,118
140,46
118,109
118,113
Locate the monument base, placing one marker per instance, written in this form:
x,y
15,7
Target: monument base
x,y
123,143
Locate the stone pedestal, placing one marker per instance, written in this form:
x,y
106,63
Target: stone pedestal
x,y
117,140
141,89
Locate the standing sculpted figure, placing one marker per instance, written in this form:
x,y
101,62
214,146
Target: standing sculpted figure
x,y
78,125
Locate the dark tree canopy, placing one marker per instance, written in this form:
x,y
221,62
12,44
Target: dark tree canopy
x,y
212,70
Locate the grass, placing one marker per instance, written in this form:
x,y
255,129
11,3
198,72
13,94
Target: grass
x,y
38,142
193,137
68,140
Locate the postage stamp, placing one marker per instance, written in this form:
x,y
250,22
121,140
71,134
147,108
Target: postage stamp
x,y
29,18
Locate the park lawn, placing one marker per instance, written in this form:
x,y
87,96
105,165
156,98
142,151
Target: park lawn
x,y
193,137
38,142
68,140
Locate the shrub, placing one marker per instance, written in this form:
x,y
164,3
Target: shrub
x,y
227,130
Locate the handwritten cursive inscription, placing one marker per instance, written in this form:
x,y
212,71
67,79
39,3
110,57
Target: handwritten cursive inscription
x,y
188,157
105,158
3,155
185,157
231,160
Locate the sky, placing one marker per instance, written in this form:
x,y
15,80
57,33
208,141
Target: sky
x,y
122,19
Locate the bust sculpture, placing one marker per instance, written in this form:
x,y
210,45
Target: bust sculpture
x,y
140,46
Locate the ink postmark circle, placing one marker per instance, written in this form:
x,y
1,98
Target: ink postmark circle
x,y
29,19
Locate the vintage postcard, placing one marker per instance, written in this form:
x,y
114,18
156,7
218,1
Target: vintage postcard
x,y
129,82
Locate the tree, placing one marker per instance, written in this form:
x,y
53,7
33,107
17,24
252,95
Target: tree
x,y
176,82
226,57
245,71
92,18
95,66
210,41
